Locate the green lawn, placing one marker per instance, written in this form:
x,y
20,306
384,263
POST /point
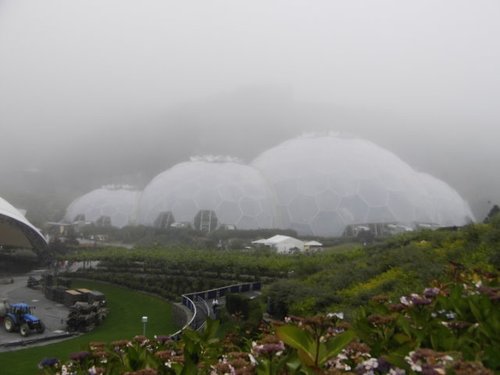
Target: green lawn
x,y
123,322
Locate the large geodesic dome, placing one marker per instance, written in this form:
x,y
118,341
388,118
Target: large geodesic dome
x,y
447,208
325,183
236,194
114,205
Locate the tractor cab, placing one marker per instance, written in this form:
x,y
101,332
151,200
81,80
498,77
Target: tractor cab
x,y
18,317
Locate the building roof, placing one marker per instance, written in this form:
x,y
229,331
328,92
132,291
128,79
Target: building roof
x,y
17,231
313,243
277,239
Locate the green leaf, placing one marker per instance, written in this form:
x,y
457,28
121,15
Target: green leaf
x,y
397,360
475,311
403,323
307,358
335,346
189,368
211,329
401,338
296,338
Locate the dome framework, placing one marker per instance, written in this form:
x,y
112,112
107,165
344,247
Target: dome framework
x,y
320,185
324,184
229,192
113,205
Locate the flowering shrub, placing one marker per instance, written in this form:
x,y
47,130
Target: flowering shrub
x,y
449,328
461,317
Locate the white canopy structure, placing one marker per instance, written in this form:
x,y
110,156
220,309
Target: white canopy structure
x,y
282,244
16,231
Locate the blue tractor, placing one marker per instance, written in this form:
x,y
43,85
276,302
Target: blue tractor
x,y
18,317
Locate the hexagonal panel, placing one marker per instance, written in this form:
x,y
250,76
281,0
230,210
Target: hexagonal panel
x,y
247,222
207,199
184,210
353,210
380,215
402,207
250,207
229,213
373,193
328,223
230,192
312,185
302,209
303,228
328,201
286,191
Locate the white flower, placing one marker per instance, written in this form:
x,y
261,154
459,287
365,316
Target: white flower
x,y
451,315
405,301
253,361
370,363
341,356
416,367
339,315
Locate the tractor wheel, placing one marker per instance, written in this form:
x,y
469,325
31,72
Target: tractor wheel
x,y
41,329
24,330
8,324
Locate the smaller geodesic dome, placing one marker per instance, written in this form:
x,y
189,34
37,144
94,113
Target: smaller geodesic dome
x,y
208,191
114,205
16,231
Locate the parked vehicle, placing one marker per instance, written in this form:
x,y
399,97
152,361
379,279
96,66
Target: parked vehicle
x,y
18,317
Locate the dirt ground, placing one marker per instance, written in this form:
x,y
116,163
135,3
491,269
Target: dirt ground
x,y
52,314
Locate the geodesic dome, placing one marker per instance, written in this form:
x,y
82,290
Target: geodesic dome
x,y
325,183
447,206
236,193
118,204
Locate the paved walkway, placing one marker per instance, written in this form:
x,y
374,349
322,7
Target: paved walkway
x,y
52,314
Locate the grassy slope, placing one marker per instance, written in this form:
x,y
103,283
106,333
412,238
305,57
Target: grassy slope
x,y
124,322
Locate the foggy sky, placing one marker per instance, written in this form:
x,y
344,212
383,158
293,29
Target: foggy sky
x,y
94,91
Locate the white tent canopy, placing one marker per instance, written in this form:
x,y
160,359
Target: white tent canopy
x,y
313,244
16,231
282,244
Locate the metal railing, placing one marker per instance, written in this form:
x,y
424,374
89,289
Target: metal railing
x,y
188,301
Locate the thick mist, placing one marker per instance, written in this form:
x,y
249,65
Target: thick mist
x,y
96,92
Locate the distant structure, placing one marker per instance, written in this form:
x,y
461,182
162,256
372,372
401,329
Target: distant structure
x,y
326,183
16,231
111,205
312,245
282,244
318,185
209,192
